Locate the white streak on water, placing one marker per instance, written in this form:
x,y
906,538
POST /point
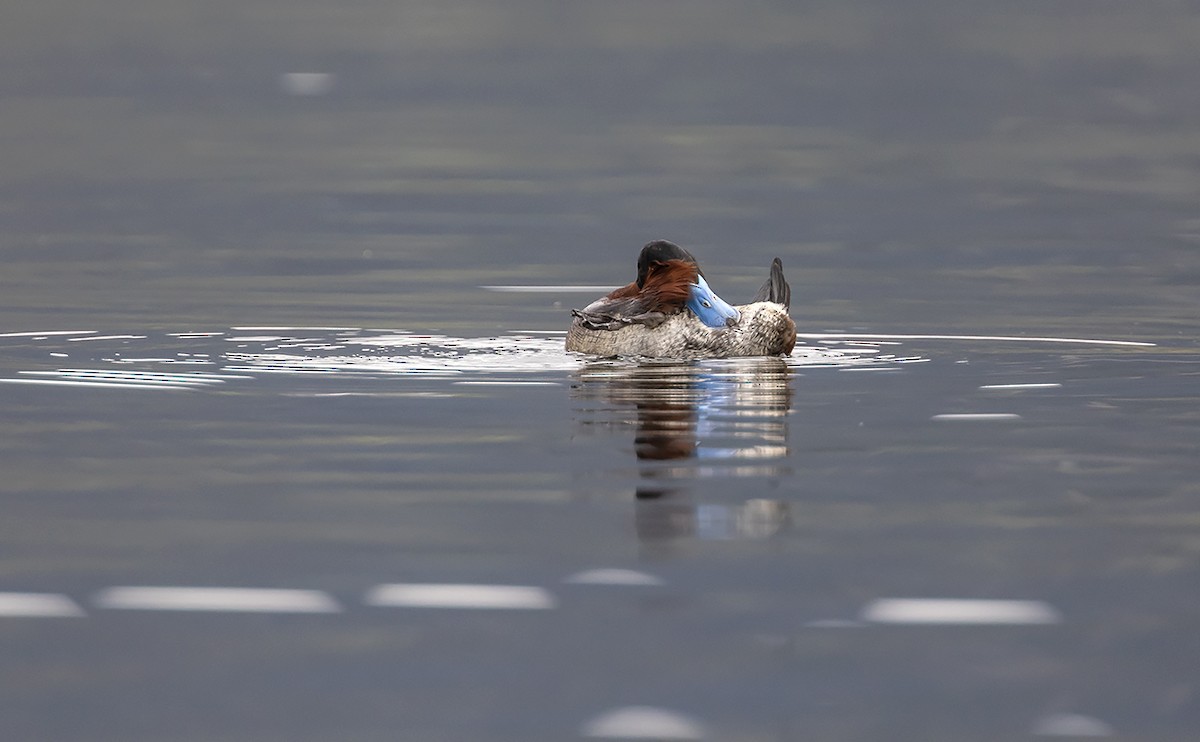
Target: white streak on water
x,y
45,334
1071,725
292,329
109,385
143,379
998,338
307,84
217,599
613,576
324,395
956,611
643,722
548,289
506,383
1018,387
476,597
976,417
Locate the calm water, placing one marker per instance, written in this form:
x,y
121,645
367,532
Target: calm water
x,y
253,355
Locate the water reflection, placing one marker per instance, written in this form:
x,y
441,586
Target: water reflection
x,y
692,421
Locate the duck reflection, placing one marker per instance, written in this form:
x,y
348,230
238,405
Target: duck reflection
x,y
696,421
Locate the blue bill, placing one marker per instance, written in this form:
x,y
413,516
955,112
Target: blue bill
x,y
711,309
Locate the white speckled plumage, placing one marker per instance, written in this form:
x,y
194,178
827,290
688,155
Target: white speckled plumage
x,y
765,329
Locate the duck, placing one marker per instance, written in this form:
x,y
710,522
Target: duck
x,y
670,311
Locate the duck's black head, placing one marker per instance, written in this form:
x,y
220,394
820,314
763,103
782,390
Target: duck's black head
x,y
660,251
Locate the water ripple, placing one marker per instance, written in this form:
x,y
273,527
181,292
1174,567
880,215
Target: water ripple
x,y
248,351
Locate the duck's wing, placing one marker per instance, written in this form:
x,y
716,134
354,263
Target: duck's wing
x,y
604,320
625,306
667,287
776,288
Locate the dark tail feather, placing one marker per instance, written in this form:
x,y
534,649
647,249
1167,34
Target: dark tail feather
x,y
776,288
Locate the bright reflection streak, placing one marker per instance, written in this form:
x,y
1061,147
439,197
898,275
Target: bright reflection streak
x,y
307,84
38,605
262,328
1071,725
953,611
100,384
478,597
613,576
120,379
977,416
643,722
547,289
505,383
219,599
144,376
51,333
998,338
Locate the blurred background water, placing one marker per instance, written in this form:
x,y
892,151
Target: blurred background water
x,y
247,341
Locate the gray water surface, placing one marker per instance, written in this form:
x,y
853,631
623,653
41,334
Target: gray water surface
x,y
717,539
291,449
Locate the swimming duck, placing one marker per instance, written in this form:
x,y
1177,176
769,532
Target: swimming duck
x,y
669,311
